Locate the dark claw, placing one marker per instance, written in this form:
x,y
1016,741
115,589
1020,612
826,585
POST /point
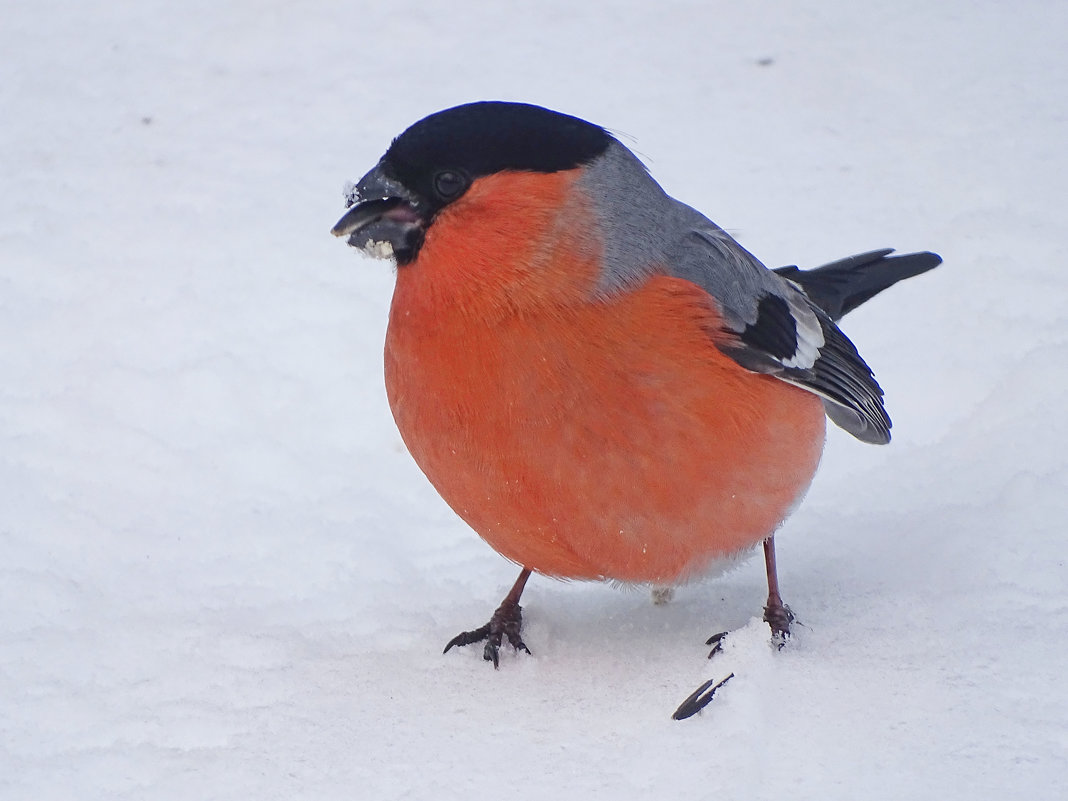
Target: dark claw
x,y
492,652
699,698
506,623
716,641
468,637
516,641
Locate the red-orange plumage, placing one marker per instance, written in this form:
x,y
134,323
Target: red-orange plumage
x,y
585,439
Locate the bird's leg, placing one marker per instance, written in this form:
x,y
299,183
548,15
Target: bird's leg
x,y
776,613
506,622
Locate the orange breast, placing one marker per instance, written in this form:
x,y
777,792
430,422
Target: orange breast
x,y
587,439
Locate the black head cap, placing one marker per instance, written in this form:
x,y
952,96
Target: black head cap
x,y
438,157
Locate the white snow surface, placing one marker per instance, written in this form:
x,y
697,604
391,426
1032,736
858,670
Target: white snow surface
x,y
224,577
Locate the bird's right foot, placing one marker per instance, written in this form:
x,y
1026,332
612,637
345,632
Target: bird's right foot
x,y
506,623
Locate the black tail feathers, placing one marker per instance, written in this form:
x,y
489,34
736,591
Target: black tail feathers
x,y
841,286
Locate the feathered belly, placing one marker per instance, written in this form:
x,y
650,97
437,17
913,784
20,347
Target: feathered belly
x,y
602,442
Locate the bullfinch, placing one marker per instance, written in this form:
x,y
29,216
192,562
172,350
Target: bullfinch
x,y
597,378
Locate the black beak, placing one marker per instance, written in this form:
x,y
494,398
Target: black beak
x,y
364,213
385,220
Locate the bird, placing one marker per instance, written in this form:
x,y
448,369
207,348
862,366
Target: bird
x,y
598,379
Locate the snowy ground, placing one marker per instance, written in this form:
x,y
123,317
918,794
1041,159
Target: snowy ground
x,y
222,575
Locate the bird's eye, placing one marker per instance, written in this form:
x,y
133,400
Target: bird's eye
x,y
449,183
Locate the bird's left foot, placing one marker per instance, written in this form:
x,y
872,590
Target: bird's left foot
x,y
506,623
779,617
